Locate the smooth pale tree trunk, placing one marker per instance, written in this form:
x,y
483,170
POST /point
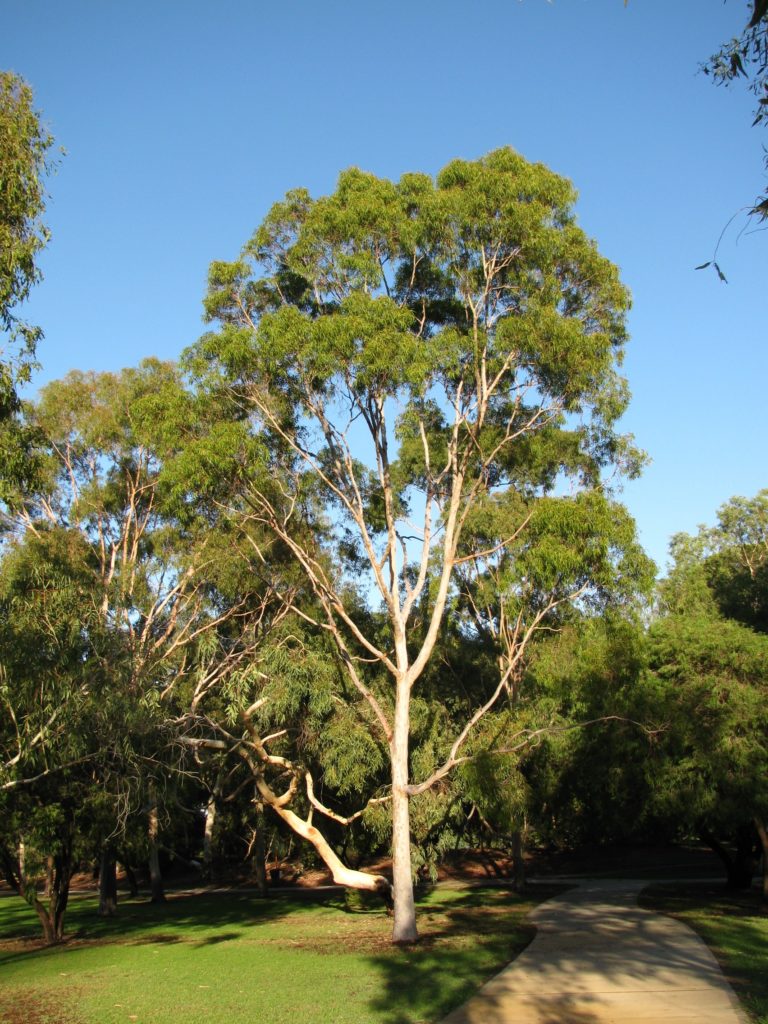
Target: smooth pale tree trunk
x,y
211,816
155,877
404,927
342,875
210,824
107,883
260,851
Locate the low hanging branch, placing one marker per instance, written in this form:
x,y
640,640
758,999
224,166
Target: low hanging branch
x,y
252,751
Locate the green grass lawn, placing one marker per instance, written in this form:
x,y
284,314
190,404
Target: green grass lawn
x,y
230,957
734,925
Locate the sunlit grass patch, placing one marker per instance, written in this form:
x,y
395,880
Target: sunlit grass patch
x,y
231,957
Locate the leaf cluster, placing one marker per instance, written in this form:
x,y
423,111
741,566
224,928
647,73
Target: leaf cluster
x,y
746,57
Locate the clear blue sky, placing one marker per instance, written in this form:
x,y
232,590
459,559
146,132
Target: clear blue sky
x,y
183,120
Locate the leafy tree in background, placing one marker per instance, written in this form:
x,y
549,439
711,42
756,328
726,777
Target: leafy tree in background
x,y
687,752
148,588
711,653
724,569
24,163
711,675
737,567
595,784
59,710
414,369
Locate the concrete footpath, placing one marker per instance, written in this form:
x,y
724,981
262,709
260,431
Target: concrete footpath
x,y
597,958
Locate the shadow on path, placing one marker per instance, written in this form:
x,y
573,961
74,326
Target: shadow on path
x,y
463,940
598,957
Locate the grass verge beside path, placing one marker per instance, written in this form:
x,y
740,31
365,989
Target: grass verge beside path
x,y
227,958
734,926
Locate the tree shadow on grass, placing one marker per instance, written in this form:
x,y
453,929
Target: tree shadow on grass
x,y
156,939
706,897
463,943
215,940
194,918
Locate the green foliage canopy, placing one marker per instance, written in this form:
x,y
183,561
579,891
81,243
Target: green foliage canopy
x,y
24,163
424,377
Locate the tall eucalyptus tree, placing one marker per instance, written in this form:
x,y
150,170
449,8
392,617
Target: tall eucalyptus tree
x,y
422,390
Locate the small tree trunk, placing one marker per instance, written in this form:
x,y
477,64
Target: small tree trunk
x,y
62,875
745,861
763,834
155,877
210,821
51,917
342,875
260,851
404,926
130,877
518,861
48,876
740,865
107,883
211,809
49,932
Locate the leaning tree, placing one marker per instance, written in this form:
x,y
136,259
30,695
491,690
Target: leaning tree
x,y
418,385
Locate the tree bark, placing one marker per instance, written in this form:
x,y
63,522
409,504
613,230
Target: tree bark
x,y
155,877
739,865
210,824
130,877
746,860
763,834
62,875
107,882
518,861
48,876
342,875
51,916
404,927
260,851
